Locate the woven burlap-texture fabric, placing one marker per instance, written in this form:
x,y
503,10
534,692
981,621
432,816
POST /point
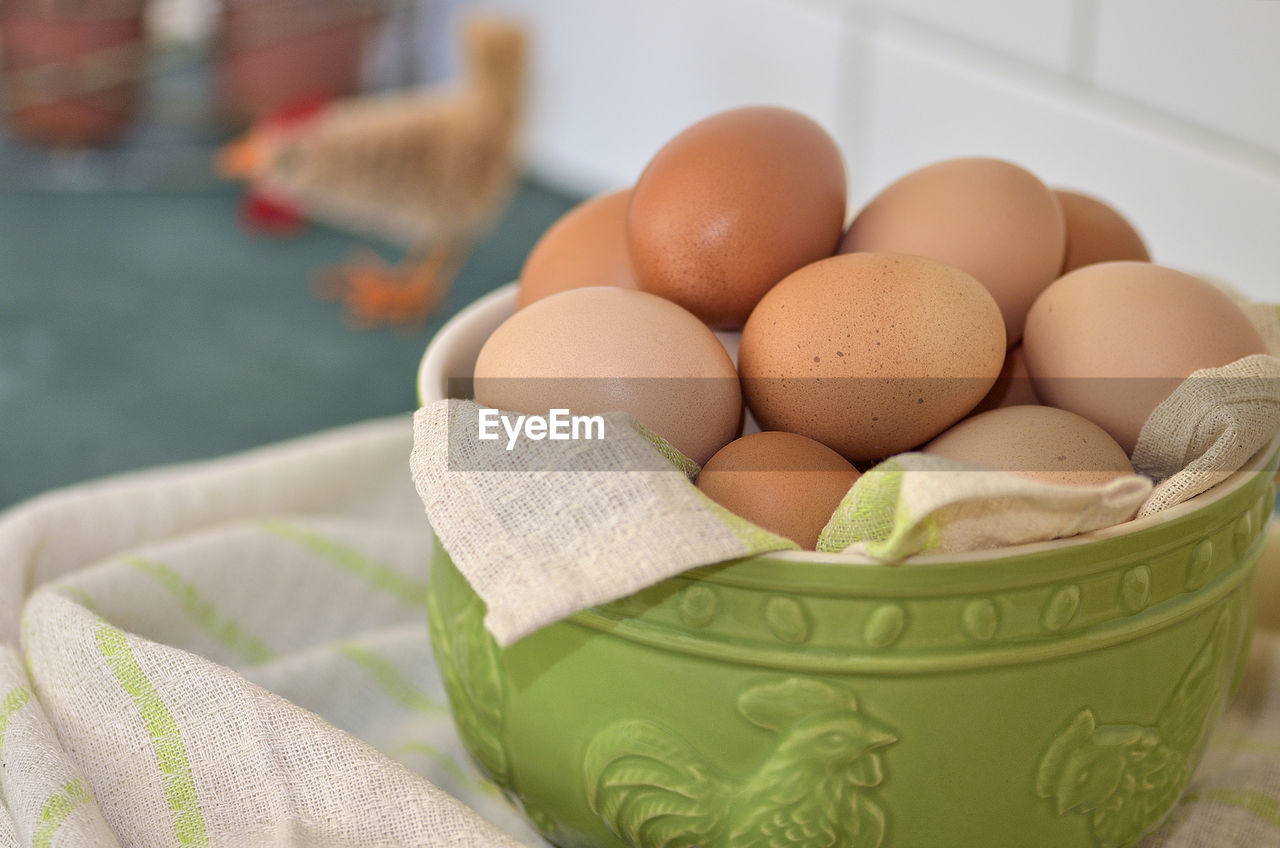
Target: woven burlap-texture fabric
x,y
917,503
1208,428
554,527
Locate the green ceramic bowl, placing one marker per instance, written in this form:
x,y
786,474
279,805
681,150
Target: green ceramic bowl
x,y
1047,696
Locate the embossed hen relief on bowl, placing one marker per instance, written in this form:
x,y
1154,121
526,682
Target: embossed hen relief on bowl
x,y
1056,694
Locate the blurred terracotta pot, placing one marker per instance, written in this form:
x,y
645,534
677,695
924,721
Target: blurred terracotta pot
x,y
71,70
274,54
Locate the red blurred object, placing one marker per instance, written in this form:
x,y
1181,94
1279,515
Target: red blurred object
x,y
298,112
274,53
263,214
260,211
71,72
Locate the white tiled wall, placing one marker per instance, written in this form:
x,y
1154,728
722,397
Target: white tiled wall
x,y
613,81
1215,64
1038,32
1168,108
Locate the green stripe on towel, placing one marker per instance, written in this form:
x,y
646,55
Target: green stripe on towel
x,y
74,794
179,788
376,574
450,765
223,630
14,701
80,596
395,684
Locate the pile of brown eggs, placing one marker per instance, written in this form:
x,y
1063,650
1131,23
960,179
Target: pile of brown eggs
x,y
968,310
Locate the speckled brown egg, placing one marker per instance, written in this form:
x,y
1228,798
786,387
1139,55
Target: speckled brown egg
x,y
1039,442
871,354
1096,232
991,218
786,483
600,349
732,205
587,246
1111,341
1013,387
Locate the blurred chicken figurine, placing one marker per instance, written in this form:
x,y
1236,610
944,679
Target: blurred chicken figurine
x,y
431,169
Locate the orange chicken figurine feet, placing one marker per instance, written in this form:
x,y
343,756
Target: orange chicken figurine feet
x,y
378,294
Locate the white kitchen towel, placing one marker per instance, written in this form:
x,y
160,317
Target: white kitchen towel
x,y
233,653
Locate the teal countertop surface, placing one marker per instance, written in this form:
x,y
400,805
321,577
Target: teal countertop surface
x,y
140,328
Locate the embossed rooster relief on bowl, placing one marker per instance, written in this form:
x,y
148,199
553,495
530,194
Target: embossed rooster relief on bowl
x,y
1127,777
815,788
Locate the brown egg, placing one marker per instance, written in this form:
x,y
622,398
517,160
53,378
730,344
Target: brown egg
x,y
732,205
1013,387
785,483
985,216
1111,341
1039,442
587,246
871,354
601,349
1097,233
